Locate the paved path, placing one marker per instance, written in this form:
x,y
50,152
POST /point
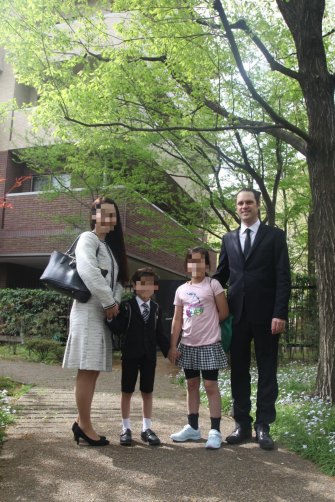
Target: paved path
x,y
41,462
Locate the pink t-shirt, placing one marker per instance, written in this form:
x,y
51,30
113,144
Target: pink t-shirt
x,y
200,315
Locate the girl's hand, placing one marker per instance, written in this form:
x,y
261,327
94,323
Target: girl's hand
x,y
173,355
222,306
112,312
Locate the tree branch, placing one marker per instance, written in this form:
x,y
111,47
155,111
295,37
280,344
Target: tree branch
x,y
274,65
296,141
250,170
161,58
257,97
253,128
328,33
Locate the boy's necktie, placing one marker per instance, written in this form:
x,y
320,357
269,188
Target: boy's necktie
x,y
247,243
145,312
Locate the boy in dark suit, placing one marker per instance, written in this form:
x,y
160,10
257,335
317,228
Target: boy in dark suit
x,y
140,320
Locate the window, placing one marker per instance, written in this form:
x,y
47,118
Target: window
x,y
44,182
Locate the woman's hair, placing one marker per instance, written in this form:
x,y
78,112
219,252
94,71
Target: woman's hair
x,y
114,238
204,253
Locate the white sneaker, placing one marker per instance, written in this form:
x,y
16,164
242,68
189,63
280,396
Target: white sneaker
x,y
186,434
214,439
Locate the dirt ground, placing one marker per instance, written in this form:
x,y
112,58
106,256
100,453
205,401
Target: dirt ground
x,y
41,462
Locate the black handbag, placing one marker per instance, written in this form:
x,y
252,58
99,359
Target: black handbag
x,y
61,275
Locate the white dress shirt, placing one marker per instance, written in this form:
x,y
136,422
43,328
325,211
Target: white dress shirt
x,y
140,303
253,233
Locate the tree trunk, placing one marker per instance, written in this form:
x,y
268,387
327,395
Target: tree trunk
x,y
322,174
311,245
304,19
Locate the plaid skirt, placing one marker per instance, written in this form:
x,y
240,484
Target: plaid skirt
x,y
203,357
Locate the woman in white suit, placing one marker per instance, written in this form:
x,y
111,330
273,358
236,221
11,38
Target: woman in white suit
x,y
102,265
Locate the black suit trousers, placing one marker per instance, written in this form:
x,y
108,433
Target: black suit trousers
x,y
266,352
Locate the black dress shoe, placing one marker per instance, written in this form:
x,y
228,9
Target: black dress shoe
x,y
239,435
80,434
150,437
75,427
263,437
125,438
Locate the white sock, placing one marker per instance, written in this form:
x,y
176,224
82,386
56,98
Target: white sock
x,y
146,424
126,424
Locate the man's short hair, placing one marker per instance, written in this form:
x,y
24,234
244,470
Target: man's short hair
x,y
256,193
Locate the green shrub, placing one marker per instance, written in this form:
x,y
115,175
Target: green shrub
x,y
42,347
37,315
34,312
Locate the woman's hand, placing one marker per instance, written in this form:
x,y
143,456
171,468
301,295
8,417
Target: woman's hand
x,y
112,312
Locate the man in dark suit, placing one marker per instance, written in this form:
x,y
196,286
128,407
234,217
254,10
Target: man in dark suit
x,y
254,260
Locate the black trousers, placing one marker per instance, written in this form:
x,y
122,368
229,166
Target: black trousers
x,y
130,370
266,352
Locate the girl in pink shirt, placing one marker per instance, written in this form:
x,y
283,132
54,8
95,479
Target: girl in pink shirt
x,y
200,304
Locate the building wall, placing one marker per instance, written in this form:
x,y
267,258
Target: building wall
x,y
35,225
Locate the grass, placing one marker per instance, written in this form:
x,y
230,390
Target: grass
x,y
20,352
305,424
9,391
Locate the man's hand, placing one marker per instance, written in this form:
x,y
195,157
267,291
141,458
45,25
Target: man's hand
x,y
277,326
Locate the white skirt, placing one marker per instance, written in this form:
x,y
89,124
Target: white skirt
x,y
89,344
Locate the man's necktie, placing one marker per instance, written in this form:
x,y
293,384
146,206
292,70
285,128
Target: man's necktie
x,y
145,312
247,243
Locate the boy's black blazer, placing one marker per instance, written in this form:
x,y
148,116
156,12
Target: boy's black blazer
x,y
142,338
258,287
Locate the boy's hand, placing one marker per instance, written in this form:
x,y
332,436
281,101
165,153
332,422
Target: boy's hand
x,y
173,355
112,312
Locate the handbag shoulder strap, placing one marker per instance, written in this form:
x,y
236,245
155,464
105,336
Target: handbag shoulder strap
x,y
74,245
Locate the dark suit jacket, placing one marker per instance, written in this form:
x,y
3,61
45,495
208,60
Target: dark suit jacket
x,y
258,287
140,338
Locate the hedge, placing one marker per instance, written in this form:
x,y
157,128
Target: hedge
x,y
34,312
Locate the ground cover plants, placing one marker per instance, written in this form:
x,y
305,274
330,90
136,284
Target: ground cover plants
x,y
9,391
305,424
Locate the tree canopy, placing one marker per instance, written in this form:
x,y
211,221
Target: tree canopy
x,y
160,89
240,92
